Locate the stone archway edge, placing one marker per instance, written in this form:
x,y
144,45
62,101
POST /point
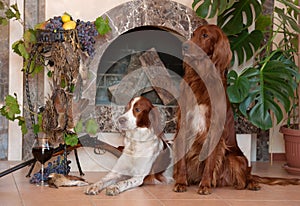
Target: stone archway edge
x,y
162,13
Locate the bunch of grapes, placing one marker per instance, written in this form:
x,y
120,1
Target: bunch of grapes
x,y
54,24
86,32
58,166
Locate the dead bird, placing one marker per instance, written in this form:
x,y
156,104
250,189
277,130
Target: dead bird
x,y
59,180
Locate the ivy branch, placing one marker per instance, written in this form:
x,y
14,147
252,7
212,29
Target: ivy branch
x,y
11,12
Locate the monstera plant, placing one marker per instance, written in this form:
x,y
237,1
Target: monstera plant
x,y
269,85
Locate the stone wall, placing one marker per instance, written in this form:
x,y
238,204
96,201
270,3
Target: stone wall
x,y
4,65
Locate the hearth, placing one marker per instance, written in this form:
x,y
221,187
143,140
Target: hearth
x,y
141,30
126,55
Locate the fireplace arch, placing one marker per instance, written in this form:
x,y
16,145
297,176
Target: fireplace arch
x,y
163,14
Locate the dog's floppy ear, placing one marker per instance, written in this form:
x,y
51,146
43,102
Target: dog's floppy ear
x,y
222,53
155,121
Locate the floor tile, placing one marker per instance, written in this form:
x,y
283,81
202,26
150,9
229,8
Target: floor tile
x,y
131,202
15,190
194,202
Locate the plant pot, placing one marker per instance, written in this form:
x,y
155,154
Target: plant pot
x,y
292,149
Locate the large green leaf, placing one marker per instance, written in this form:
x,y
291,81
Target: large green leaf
x,y
241,15
245,44
211,8
274,90
234,17
238,87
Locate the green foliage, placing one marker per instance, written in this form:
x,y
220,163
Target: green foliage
x,y
238,88
239,16
269,85
262,90
10,12
245,44
70,139
11,110
91,126
19,48
79,126
33,64
102,25
263,22
232,21
215,7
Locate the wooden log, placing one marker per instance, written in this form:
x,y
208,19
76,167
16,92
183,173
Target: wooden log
x,y
134,83
158,76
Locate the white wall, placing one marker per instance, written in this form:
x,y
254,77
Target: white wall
x,y
89,9
15,86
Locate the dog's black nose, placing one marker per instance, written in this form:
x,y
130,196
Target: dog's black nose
x,y
122,120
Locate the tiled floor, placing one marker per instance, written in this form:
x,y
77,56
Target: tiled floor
x,y
16,190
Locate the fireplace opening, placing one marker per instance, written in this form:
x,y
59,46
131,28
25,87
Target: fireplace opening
x,y
126,54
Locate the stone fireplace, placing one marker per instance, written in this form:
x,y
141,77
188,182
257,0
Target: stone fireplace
x,y
162,16
137,26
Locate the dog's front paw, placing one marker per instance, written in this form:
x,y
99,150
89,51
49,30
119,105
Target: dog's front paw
x,y
93,189
203,190
253,186
112,190
180,187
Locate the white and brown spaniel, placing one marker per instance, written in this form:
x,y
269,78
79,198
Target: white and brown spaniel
x,y
144,158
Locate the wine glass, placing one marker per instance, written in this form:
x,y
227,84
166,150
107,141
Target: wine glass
x,y
42,151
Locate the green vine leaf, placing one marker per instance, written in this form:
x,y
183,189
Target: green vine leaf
x,y
19,48
102,25
11,108
29,38
17,12
22,124
9,14
91,126
79,126
11,111
71,139
3,21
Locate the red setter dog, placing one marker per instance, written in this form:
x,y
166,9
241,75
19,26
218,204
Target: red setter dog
x,y
225,164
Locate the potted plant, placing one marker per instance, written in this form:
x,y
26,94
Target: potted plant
x,y
269,87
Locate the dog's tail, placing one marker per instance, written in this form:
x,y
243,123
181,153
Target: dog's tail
x,y
276,180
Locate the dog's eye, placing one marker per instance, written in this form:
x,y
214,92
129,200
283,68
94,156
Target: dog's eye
x,y
204,35
137,109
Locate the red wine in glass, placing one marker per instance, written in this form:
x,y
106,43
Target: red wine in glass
x,y
42,152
